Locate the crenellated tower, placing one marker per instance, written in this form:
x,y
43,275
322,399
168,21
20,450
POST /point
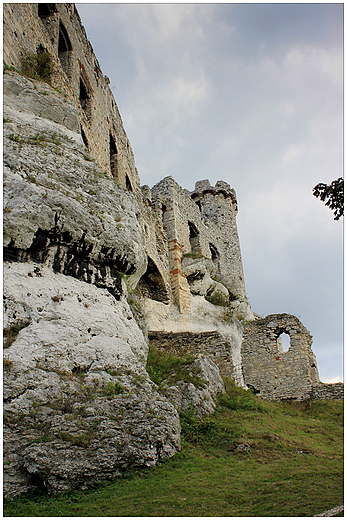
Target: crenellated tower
x,y
201,232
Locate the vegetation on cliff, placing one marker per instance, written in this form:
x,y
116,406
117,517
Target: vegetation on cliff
x,y
249,458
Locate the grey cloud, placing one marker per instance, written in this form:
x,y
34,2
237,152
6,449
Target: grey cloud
x,y
266,117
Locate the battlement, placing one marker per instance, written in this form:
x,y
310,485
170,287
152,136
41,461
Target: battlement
x,y
202,239
203,188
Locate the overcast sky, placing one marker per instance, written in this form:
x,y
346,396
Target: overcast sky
x,y
250,94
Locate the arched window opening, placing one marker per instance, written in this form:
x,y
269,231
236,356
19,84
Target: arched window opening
x,y
85,99
128,183
113,157
198,203
283,342
46,10
193,230
152,285
214,253
64,48
194,238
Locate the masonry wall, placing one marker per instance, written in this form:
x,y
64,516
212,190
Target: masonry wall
x,y
57,28
201,224
211,344
328,391
272,373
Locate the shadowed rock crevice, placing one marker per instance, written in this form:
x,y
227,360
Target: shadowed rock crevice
x,y
152,285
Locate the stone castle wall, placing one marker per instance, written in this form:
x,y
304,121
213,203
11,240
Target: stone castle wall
x,y
328,391
211,344
272,373
175,223
57,28
200,229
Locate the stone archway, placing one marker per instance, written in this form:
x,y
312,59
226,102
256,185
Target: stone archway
x,y
152,285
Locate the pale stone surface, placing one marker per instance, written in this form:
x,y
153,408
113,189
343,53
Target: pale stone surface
x,y
59,207
65,424
197,400
204,318
81,344
39,99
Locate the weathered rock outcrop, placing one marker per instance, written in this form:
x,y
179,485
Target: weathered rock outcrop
x,y
79,404
59,206
198,399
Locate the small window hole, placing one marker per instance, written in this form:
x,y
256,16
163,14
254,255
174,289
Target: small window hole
x,y
284,342
84,137
85,99
128,183
194,238
214,253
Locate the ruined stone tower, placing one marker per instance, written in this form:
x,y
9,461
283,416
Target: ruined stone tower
x,y
203,244
32,29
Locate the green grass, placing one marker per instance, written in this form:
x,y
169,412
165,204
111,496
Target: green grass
x,y
295,467
11,333
164,367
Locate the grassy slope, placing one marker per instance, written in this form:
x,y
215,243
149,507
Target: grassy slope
x,y
294,468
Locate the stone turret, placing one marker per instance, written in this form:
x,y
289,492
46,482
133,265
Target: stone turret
x,y
218,207
201,232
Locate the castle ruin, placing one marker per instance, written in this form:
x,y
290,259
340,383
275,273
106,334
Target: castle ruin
x,y
82,238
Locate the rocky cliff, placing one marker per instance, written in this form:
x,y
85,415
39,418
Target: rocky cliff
x,y
79,404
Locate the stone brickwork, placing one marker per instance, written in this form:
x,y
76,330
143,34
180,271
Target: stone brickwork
x,y
272,373
328,391
57,28
211,344
200,227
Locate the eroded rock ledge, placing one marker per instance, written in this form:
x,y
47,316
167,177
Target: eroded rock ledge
x,y
59,207
79,405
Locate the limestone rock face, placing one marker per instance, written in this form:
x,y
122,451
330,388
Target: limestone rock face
x,y
38,99
201,275
197,399
79,405
60,208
